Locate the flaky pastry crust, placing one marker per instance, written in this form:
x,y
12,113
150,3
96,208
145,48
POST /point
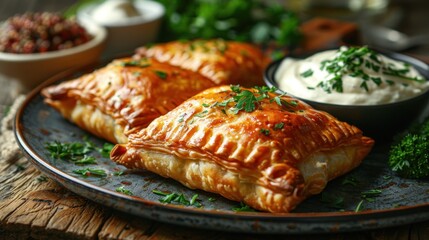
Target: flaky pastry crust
x,y
271,158
126,93
224,62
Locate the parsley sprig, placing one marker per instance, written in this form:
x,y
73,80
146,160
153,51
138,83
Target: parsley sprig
x,y
123,190
143,63
249,100
178,198
243,208
72,151
77,152
86,172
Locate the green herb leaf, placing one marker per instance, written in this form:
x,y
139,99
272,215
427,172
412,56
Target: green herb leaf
x,y
266,132
69,150
143,63
243,208
106,149
279,126
161,74
118,173
86,160
123,190
86,172
307,73
359,207
202,114
371,193
355,61
177,198
349,180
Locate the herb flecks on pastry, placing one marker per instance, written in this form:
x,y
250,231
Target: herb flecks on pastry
x,y
224,62
252,145
126,93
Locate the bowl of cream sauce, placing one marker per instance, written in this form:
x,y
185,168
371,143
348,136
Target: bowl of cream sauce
x,y
378,91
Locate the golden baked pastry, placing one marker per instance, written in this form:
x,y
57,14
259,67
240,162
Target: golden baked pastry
x,y
111,101
224,62
251,145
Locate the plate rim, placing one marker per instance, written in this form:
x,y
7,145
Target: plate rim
x,y
342,220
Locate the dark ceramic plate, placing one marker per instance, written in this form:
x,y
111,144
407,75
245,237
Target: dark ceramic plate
x,y
388,201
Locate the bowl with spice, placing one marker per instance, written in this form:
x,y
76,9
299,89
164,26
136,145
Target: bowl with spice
x,y
380,92
36,46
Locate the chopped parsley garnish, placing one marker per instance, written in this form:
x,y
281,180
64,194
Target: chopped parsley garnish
x,y
136,63
221,45
307,73
387,177
178,198
243,208
71,150
264,131
245,100
250,100
371,193
123,190
349,180
161,74
181,118
359,207
86,160
279,126
118,173
106,149
77,152
86,172
202,114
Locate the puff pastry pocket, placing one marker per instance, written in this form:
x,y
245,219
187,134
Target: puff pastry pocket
x,y
225,62
111,101
249,145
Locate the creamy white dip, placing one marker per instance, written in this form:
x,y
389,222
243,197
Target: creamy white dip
x,y
387,80
112,11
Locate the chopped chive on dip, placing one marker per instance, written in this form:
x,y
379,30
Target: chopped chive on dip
x,y
362,63
350,76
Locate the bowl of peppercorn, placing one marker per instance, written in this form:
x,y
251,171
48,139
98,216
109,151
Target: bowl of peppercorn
x,y
379,91
36,46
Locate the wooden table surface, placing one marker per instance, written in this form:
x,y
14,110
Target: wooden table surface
x,y
35,207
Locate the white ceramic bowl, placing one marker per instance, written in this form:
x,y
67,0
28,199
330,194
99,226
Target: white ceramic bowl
x,y
29,70
127,35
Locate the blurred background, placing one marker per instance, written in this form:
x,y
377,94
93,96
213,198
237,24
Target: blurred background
x,y
374,17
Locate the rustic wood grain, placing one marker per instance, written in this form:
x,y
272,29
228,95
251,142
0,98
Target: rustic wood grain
x,y
35,207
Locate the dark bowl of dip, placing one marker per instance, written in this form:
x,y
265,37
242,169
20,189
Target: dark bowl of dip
x,y
380,121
